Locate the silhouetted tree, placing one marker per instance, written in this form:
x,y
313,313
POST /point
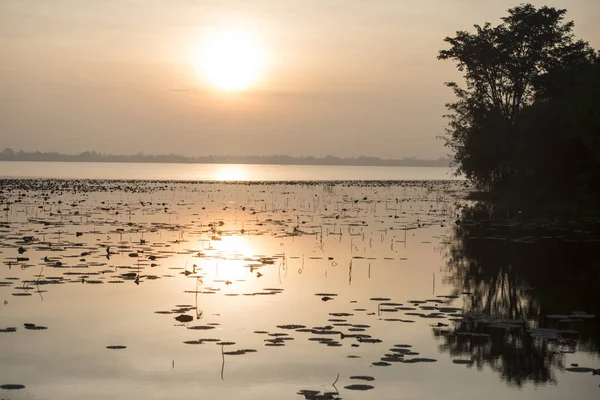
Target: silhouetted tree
x,y
506,68
558,147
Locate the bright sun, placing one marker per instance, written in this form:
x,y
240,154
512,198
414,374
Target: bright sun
x,y
230,60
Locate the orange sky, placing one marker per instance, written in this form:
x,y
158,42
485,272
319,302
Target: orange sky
x,y
346,78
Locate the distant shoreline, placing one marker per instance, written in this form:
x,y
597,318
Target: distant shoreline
x,y
9,155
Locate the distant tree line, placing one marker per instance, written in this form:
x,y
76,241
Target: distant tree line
x,y
92,156
527,123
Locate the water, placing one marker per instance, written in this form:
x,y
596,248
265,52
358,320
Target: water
x,y
111,263
217,172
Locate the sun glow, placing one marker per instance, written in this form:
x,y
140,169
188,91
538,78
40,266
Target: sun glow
x,y
231,173
231,252
230,60
232,246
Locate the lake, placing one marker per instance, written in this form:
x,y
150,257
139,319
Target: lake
x,y
364,289
218,172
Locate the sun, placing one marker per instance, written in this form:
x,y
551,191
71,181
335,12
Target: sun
x,y
230,59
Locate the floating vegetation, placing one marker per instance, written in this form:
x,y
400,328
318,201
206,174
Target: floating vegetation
x,y
418,360
199,341
34,327
381,364
291,326
248,350
12,386
546,333
185,318
580,369
238,352
201,327
317,395
359,387
463,362
363,378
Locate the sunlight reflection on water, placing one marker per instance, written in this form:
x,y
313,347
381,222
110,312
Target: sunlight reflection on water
x,y
219,172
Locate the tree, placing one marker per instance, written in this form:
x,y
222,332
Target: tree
x,y
563,126
506,68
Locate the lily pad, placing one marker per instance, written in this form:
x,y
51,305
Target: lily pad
x,y
184,318
359,387
381,364
579,369
12,386
363,378
201,327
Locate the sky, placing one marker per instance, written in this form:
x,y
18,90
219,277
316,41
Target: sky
x,y
339,77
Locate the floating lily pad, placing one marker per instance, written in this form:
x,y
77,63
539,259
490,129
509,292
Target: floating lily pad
x,y
369,340
581,314
249,350
381,364
359,387
199,341
363,378
557,316
234,353
463,362
201,327
12,386
579,369
184,318
419,360
33,327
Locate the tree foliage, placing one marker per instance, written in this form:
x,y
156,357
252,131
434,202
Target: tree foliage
x,y
518,75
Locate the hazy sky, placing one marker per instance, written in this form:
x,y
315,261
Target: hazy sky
x,y
341,77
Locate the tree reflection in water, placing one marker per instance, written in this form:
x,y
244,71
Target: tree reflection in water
x,y
513,273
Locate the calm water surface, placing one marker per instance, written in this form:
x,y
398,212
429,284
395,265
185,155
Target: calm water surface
x,y
218,172
262,291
